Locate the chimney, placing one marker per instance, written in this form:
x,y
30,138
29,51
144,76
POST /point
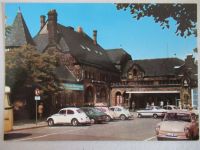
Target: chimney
x,y
189,61
80,30
52,27
95,37
42,21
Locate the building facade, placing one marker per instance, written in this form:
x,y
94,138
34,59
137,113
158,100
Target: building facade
x,y
156,82
90,74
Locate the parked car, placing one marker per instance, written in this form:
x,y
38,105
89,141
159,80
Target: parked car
x,y
178,125
107,111
170,107
121,113
151,111
96,116
71,115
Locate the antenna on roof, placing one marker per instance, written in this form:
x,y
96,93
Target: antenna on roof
x,y
19,9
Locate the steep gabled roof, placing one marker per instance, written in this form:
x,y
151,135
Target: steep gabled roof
x,y
19,34
156,67
80,45
118,55
64,74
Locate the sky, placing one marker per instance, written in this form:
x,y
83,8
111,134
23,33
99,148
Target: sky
x,y
143,39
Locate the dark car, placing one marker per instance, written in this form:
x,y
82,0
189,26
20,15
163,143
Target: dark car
x,y
95,115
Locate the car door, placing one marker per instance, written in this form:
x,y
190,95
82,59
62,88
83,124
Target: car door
x,y
113,112
117,111
70,115
61,117
149,111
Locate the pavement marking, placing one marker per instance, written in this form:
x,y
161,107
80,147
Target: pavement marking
x,y
37,137
150,138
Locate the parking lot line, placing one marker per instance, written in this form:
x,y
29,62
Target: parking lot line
x,y
150,138
41,136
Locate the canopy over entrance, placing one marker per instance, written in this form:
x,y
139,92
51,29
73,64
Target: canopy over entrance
x,y
155,92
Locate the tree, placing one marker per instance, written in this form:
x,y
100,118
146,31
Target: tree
x,y
25,66
185,15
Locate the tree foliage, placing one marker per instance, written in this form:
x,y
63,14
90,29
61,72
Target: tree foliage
x,y
25,66
185,15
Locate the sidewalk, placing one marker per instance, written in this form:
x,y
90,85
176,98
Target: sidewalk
x,y
28,124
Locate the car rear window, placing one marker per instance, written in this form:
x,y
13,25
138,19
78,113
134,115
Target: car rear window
x,y
79,111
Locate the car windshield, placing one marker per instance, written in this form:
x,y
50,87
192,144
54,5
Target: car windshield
x,y
177,117
157,107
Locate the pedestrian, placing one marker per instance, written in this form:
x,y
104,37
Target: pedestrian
x,y
161,104
40,110
133,106
147,106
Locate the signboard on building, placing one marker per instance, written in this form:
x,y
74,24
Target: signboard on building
x,y
77,87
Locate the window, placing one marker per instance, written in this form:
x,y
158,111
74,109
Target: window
x,y
112,109
62,112
118,109
69,112
79,111
134,72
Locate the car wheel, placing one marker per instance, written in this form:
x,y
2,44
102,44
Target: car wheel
x,y
139,115
50,122
108,118
74,122
155,116
122,117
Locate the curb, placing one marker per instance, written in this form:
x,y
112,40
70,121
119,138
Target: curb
x,y
32,127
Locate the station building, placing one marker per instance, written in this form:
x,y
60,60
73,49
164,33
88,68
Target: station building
x,y
90,74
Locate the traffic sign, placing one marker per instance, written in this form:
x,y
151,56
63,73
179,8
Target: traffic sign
x,y
37,98
37,92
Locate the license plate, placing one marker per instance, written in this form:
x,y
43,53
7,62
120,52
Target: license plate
x,y
171,134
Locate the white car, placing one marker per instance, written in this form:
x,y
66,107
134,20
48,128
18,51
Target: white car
x,y
72,115
107,111
120,112
152,111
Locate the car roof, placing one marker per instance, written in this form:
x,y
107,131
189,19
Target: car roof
x,y
116,107
72,108
171,105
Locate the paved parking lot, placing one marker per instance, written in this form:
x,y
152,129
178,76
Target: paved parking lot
x,y
138,129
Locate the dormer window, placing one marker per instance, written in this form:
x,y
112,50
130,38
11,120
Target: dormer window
x,y
134,72
185,83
